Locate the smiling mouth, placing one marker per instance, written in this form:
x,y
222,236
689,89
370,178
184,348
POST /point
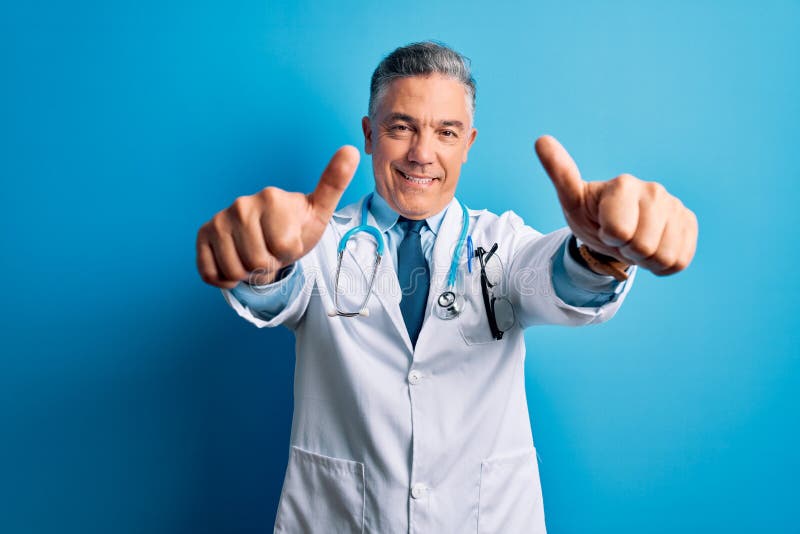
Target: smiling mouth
x,y
416,179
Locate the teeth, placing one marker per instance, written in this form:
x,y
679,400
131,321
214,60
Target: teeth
x,y
417,180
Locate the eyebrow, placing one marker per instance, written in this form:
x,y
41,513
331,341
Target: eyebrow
x,y
411,120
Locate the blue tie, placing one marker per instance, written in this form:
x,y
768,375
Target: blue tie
x,y
414,277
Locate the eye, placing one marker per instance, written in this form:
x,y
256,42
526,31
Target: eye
x,y
449,133
399,128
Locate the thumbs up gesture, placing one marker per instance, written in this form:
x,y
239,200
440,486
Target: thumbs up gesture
x,y
260,234
635,221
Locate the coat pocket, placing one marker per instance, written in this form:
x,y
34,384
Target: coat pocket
x,y
321,494
473,321
473,324
510,498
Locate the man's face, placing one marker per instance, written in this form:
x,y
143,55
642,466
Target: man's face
x,y
419,138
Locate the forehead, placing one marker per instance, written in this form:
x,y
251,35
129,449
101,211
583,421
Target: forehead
x,y
426,97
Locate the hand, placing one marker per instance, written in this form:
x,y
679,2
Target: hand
x,y
260,234
635,221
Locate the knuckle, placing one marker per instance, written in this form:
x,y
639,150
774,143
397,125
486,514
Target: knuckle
x,y
240,209
217,225
269,195
668,270
256,261
675,208
296,248
680,265
624,180
619,231
643,249
280,244
230,267
665,260
693,219
685,259
655,190
202,234
207,276
236,273
286,246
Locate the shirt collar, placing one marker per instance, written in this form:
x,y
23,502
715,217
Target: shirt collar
x,y
386,217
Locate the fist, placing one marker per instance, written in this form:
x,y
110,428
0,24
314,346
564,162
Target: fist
x,y
635,221
260,234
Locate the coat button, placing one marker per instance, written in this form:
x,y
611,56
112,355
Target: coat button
x,y
419,490
414,377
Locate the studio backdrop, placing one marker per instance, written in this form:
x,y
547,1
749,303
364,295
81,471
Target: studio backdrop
x,y
133,399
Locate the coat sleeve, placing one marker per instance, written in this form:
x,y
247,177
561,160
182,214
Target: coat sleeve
x,y
287,311
530,279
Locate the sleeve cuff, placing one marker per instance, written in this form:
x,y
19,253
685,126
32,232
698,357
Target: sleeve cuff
x,y
578,285
267,301
583,277
283,274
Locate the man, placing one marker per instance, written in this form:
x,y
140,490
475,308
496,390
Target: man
x,y
406,420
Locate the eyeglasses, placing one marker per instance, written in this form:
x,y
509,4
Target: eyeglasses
x,y
499,311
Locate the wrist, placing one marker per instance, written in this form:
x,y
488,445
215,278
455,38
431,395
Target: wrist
x,y
597,262
262,278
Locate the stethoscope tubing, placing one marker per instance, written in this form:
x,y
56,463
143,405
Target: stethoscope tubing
x,y
379,249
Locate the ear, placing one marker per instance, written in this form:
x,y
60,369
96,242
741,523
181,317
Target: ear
x,y
472,135
366,126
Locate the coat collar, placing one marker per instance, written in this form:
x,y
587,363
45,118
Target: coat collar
x,y
383,217
447,227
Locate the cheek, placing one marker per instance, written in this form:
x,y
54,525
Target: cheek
x,y
382,173
454,162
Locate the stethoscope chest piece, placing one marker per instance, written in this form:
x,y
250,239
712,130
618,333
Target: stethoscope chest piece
x,y
448,305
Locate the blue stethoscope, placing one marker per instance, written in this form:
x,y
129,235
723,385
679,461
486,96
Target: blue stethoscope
x,y
448,304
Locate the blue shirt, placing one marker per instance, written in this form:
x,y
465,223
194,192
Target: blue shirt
x,y
573,283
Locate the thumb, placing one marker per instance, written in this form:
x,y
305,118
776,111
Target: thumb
x,y
334,180
562,170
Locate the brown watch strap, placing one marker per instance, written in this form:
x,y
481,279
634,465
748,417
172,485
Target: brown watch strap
x,y
602,264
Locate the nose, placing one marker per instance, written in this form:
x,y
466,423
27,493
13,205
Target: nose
x,y
421,150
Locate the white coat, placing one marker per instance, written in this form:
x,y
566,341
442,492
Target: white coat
x,y
386,438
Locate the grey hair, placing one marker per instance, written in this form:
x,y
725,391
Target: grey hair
x,y
421,59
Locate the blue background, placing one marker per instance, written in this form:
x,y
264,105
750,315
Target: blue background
x,y
132,399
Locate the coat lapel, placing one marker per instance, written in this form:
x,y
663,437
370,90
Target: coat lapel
x,y
443,249
360,251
